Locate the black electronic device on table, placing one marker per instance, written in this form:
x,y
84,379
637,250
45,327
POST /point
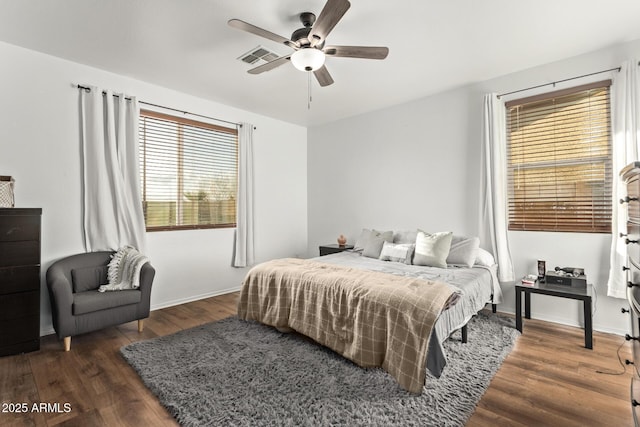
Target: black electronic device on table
x,y
567,276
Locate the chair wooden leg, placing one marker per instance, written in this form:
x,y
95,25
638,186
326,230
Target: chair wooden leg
x,y
140,325
67,343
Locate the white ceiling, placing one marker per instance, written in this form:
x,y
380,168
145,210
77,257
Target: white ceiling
x,y
434,45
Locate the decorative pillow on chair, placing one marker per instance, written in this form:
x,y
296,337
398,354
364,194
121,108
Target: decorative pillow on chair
x,y
370,242
401,252
464,251
432,249
88,278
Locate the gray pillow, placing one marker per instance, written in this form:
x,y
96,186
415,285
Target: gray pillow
x,y
372,237
401,252
373,248
464,251
432,249
405,236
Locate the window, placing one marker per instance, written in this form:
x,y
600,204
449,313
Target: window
x,y
559,160
188,172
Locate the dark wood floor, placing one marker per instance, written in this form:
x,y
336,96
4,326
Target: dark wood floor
x,y
548,379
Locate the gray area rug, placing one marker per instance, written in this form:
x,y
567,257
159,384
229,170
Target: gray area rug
x,y
237,373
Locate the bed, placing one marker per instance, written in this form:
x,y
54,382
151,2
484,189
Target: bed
x,y
462,292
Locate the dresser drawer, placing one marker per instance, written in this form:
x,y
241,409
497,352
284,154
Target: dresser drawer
x,y
20,329
633,192
633,249
21,304
19,253
635,344
22,279
15,228
635,397
633,272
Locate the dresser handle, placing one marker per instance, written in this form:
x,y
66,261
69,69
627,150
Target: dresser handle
x,y
628,362
634,402
623,235
625,268
627,241
624,310
630,338
631,284
628,199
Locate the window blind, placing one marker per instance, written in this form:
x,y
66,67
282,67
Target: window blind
x,y
188,172
559,160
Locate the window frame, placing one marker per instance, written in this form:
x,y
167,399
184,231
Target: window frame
x,y
516,219
180,170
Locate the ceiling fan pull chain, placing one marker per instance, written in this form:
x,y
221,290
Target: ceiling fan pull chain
x,y
309,90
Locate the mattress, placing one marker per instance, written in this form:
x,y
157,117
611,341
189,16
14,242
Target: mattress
x,y
478,286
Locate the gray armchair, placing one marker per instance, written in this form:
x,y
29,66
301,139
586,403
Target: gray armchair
x,y
77,306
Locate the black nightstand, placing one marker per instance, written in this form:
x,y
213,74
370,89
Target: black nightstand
x,y
582,294
333,249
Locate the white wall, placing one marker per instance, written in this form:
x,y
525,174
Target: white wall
x,y
417,165
397,168
412,165
40,147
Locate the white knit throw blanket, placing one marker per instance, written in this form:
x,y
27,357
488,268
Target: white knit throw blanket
x,y
124,268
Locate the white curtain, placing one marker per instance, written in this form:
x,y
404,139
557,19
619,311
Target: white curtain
x,y
244,251
112,214
493,192
625,122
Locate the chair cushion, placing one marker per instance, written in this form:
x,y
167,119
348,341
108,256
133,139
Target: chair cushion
x,y
90,301
88,278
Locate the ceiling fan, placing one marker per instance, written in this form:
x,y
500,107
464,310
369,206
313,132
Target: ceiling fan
x,y
308,42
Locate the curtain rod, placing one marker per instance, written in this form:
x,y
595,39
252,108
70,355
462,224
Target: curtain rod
x,y
561,81
169,108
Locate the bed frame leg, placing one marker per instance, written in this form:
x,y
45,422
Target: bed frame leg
x,y
494,307
464,334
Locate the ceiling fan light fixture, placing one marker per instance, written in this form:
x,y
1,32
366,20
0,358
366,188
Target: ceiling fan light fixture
x,y
308,59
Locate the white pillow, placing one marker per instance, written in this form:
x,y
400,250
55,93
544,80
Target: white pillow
x,y
484,258
464,251
432,249
370,242
401,252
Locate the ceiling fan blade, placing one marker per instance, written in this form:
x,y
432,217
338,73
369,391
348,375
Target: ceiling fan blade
x,y
366,52
269,65
245,26
323,76
331,14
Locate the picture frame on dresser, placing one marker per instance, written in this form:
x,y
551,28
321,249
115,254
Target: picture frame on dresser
x,y
20,230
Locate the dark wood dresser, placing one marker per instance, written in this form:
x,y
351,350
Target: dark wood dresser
x,y
631,176
19,280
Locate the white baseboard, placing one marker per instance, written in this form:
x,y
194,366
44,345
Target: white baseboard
x,y
166,304
47,331
563,321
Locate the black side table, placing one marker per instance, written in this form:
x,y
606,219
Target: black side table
x,y
333,249
582,294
